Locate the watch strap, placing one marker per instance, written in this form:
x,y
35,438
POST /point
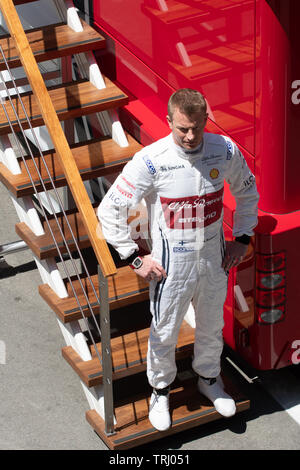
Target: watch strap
x,y
132,257
244,239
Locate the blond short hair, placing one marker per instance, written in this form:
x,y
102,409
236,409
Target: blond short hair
x,y
188,101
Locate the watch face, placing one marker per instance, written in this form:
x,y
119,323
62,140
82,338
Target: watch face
x,y
137,262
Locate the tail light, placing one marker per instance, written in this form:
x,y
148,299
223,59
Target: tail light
x,y
272,298
270,316
270,280
270,287
269,263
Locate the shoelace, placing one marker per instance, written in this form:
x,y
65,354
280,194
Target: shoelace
x,y
161,391
209,381
158,393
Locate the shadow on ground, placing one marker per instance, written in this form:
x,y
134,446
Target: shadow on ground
x,y
6,270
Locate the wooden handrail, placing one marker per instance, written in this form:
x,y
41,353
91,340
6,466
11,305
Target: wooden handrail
x,y
58,137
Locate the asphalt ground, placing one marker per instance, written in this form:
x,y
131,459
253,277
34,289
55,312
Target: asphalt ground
x,y
42,404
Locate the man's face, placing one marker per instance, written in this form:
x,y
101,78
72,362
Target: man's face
x,y
187,130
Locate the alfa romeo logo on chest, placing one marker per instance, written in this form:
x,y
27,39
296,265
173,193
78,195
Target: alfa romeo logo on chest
x,y
214,173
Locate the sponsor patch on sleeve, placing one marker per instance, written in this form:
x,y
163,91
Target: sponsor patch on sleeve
x,y
249,182
149,164
124,192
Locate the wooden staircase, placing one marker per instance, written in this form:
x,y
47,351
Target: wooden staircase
x,y
52,41
96,158
70,101
73,299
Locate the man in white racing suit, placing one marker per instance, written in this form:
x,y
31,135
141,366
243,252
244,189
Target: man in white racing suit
x,y
181,178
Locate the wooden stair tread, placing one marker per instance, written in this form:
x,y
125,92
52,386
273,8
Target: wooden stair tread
x,y
93,159
123,288
128,352
43,246
52,41
188,409
70,100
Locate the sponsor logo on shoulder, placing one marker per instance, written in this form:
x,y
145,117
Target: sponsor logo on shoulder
x,y
229,150
149,165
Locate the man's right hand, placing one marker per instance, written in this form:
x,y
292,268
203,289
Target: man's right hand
x,y
151,270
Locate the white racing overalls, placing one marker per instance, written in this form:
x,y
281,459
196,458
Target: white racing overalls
x,y
183,191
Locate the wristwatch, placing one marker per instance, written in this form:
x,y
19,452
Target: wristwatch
x,y
135,261
244,239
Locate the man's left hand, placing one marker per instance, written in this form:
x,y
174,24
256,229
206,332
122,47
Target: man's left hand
x,y
234,255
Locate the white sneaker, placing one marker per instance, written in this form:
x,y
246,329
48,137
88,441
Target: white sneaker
x,y
213,389
159,415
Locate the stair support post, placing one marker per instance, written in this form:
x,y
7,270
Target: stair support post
x,y
108,120
95,398
68,13
8,156
106,354
74,337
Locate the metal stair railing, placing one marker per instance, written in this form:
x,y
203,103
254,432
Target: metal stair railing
x,y
106,266
58,138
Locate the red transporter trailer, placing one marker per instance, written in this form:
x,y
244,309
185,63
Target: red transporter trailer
x,y
243,56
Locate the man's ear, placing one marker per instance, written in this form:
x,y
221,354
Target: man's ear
x,y
169,121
